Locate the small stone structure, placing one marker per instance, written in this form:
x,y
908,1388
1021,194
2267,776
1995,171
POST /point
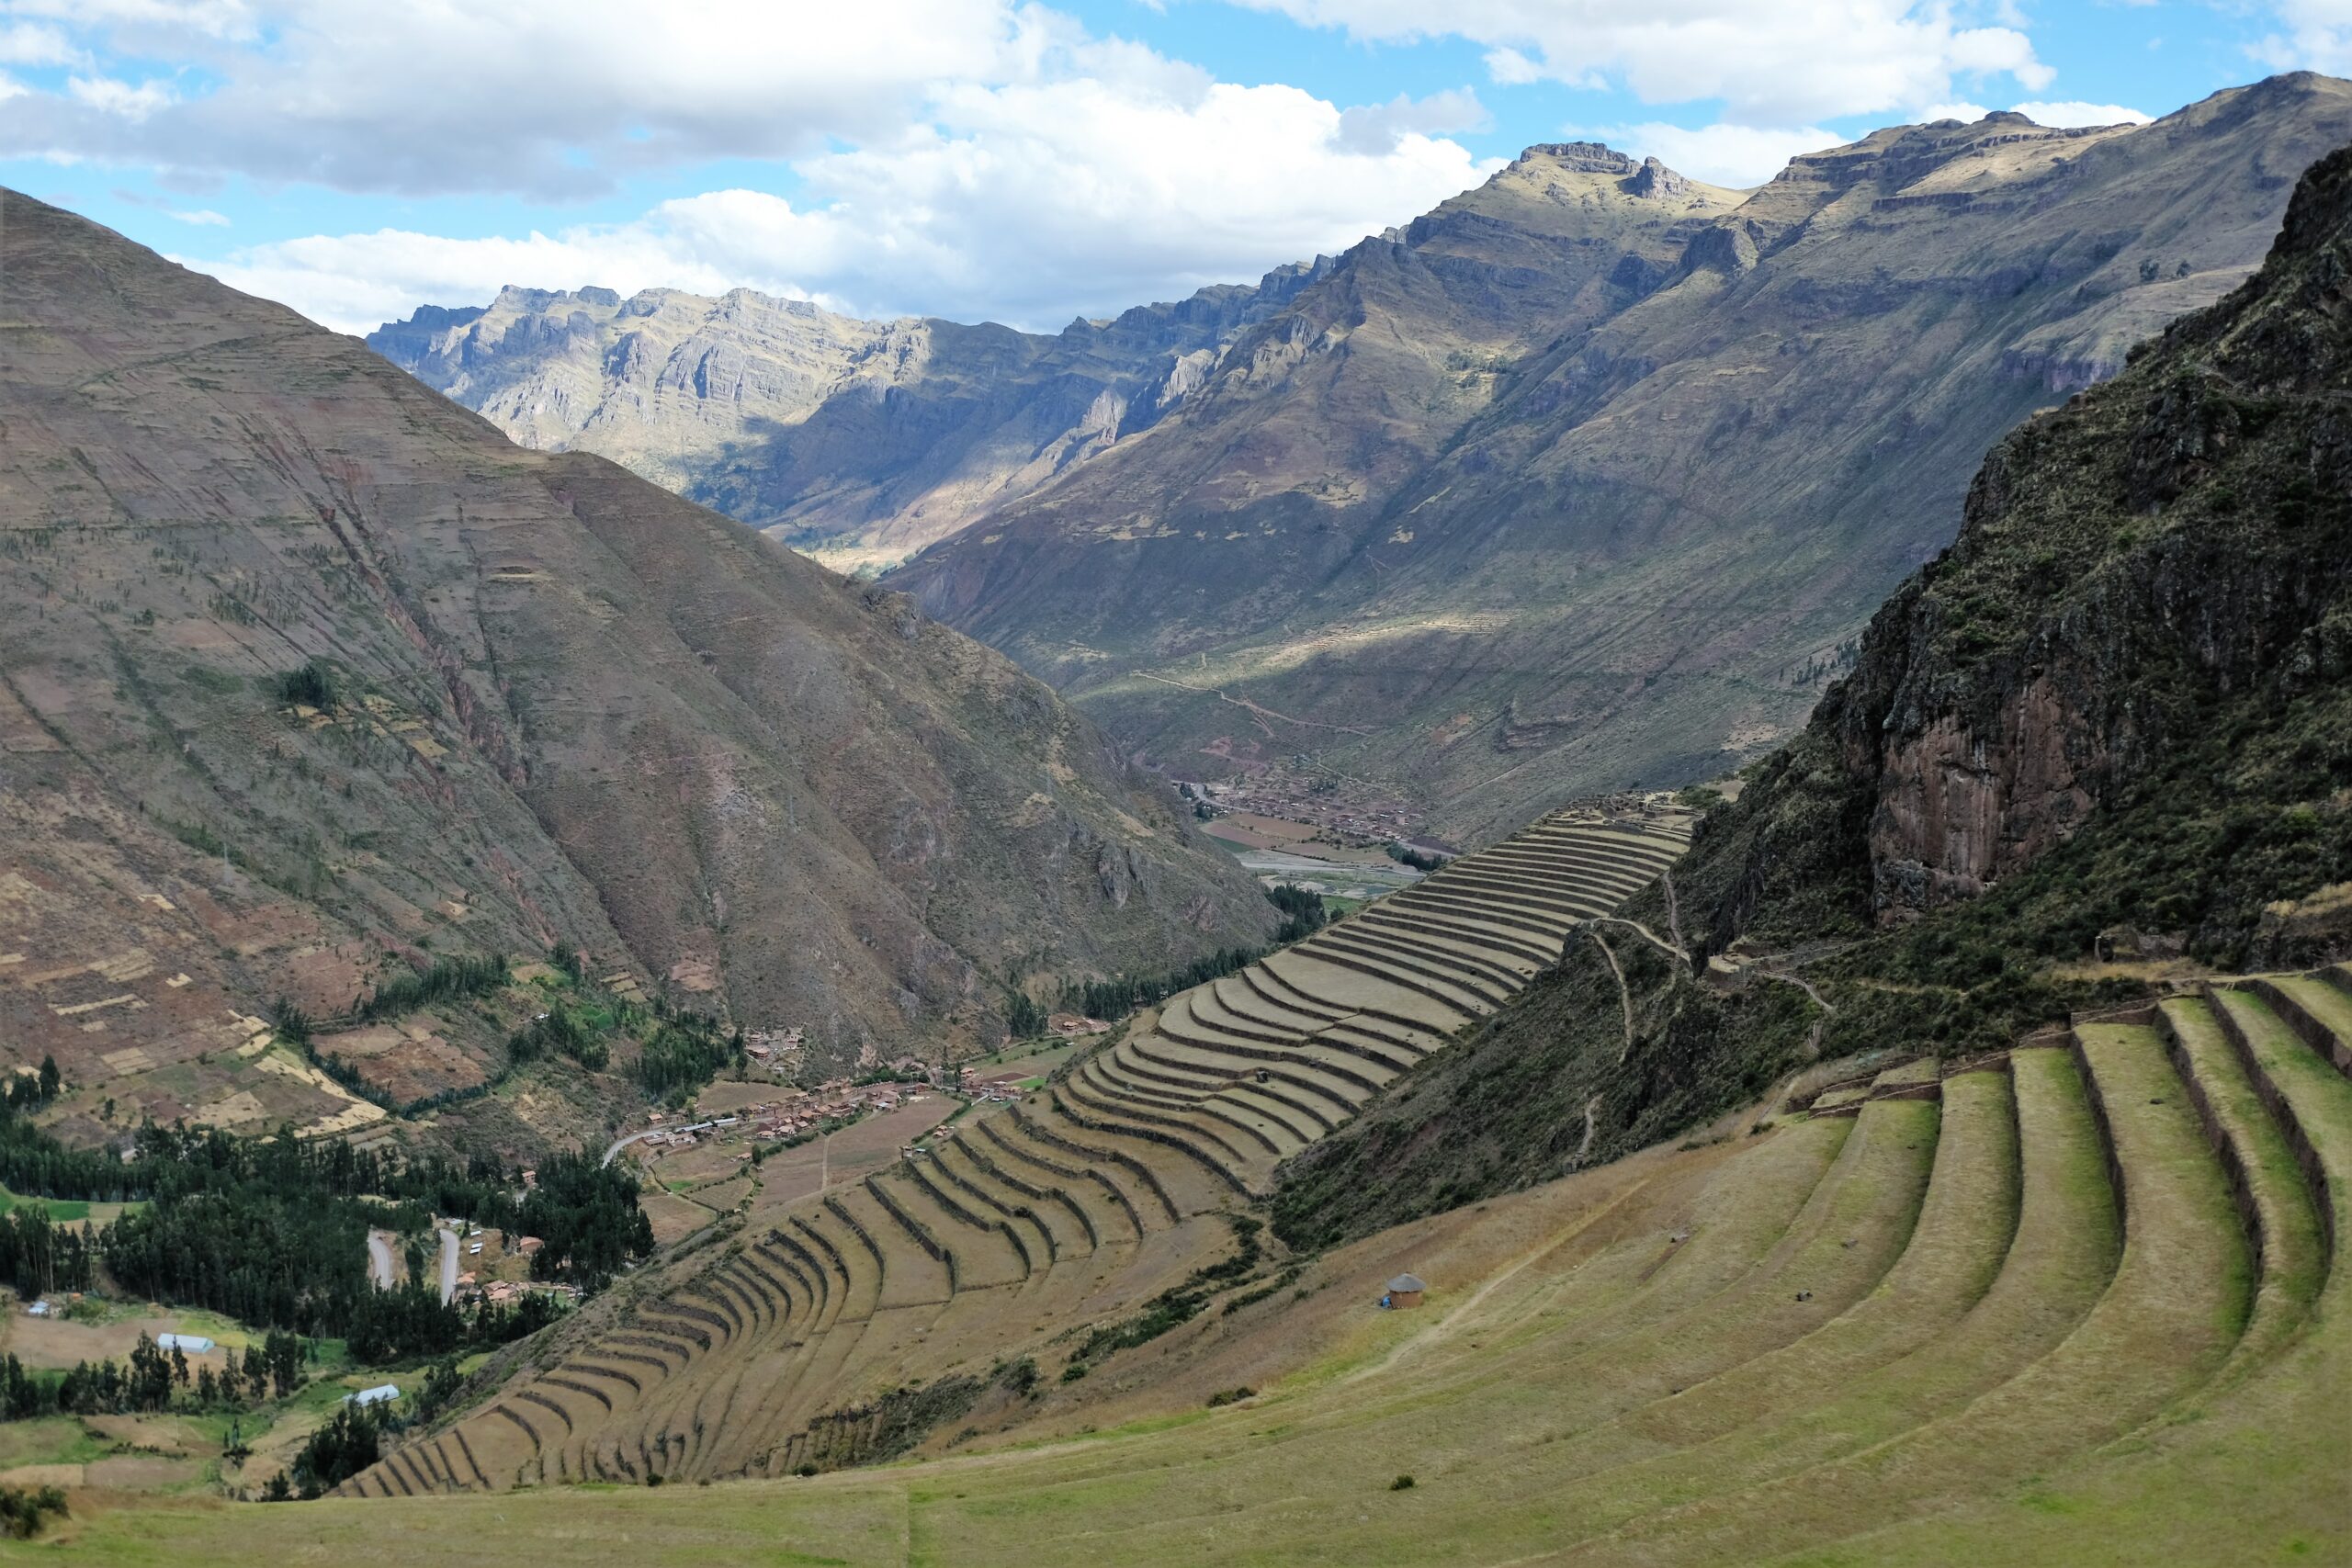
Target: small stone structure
x,y
1404,1291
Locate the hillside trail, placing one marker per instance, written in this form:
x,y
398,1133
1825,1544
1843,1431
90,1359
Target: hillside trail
x,y
1454,1321
1672,950
1624,994
1592,1126
1255,710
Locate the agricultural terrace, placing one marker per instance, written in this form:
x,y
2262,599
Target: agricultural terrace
x,y
1109,1196
2078,1302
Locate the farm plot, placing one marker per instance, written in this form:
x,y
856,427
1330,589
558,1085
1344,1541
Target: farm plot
x,y
673,1218
57,1342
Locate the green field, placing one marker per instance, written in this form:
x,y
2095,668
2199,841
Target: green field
x,y
65,1211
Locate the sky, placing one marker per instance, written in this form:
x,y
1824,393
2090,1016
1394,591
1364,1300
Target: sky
x,y
979,159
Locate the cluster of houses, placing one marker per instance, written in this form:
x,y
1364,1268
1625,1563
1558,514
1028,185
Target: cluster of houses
x,y
506,1293
1342,813
790,1115
1003,1087
780,1049
473,1287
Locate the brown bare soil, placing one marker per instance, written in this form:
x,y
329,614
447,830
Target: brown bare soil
x,y
495,620
673,1218
58,1343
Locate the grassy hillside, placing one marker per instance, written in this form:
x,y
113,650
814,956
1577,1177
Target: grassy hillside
x,y
2117,704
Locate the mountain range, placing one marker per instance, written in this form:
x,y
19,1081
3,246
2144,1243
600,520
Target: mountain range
x,y
1586,479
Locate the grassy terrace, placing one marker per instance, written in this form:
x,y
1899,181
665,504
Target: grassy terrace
x,y
815,1335
2076,1305
2084,1297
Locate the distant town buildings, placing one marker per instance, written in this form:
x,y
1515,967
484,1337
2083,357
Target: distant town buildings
x,y
780,1050
1342,811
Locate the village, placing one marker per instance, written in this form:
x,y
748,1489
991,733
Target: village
x,y
1319,808
756,1144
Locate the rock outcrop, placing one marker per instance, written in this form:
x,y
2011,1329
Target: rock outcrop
x,y
859,441
2130,570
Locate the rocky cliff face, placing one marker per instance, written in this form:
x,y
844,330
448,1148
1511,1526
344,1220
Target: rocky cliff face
x,y
566,707
1594,445
2131,570
2121,702
859,441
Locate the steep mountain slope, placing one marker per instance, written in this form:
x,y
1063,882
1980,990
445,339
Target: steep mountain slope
x,y
537,700
860,441
2111,723
1546,496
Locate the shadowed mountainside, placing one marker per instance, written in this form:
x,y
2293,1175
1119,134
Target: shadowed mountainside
x,y
534,700
1584,480
2112,723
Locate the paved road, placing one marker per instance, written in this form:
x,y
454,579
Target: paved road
x,y
379,1259
619,1144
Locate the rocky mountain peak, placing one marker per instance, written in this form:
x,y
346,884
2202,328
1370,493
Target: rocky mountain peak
x,y
520,300
1653,181
1582,157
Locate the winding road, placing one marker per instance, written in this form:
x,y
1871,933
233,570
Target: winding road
x,y
619,1144
383,1263
381,1259
449,1265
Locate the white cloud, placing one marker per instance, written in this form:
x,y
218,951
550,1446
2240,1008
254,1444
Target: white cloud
x,y
1376,129
36,43
548,97
2073,112
203,217
122,99
1786,64
1735,155
1027,204
1512,69
2314,35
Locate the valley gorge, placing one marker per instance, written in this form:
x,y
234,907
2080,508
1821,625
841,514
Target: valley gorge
x,y
1505,481
1639,873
